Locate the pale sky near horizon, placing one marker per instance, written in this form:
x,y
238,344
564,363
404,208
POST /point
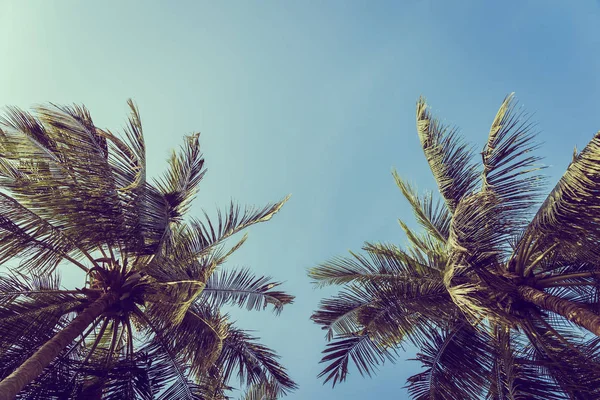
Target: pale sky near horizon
x,y
315,99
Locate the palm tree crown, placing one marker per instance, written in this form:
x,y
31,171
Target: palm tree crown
x,y
146,323
491,291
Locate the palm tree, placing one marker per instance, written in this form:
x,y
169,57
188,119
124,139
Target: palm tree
x,y
146,322
490,292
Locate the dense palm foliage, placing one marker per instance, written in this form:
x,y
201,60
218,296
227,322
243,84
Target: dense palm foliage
x,y
146,321
492,291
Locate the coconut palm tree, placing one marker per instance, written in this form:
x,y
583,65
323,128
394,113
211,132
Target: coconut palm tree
x,y
492,293
146,321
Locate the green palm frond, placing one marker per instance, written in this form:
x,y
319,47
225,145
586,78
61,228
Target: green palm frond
x,y
423,246
242,288
434,218
383,263
170,376
50,155
205,236
338,315
508,163
386,315
390,312
194,250
125,379
180,183
40,245
197,339
252,362
426,260
450,159
568,217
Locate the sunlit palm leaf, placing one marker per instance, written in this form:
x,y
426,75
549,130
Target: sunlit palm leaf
x,y
242,288
435,219
449,158
180,183
568,217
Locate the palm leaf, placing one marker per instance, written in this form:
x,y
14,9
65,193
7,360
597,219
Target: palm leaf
x,y
567,218
180,183
252,362
450,160
456,361
361,349
263,391
434,219
243,288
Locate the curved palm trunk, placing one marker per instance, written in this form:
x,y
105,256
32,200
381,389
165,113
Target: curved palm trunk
x,y
34,365
572,311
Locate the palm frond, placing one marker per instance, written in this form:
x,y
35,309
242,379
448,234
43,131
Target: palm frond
x,y
180,183
242,288
508,165
365,353
567,218
450,159
126,379
262,391
456,361
435,219
195,250
51,158
40,245
514,376
383,263
252,362
197,339
572,367
204,236
390,312
30,318
166,369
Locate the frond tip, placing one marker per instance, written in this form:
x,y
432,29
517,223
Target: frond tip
x,y
450,159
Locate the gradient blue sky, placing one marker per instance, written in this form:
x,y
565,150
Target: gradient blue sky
x,y
312,98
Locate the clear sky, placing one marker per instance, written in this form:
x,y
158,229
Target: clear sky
x,y
313,98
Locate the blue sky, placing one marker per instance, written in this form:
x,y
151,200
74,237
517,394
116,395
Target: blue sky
x,y
311,98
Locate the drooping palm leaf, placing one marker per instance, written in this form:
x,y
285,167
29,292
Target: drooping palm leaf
x,y
252,362
365,353
456,361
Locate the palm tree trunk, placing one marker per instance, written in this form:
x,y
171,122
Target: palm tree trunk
x,y
34,365
574,312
